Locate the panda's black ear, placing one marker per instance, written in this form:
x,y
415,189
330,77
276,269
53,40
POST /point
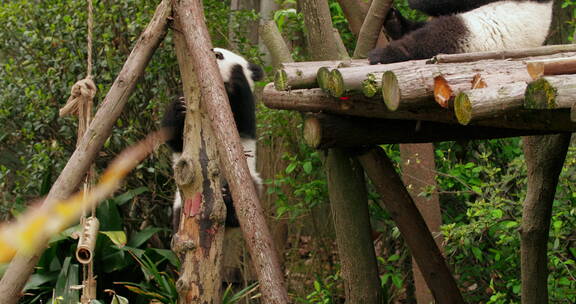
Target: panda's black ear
x,y
257,72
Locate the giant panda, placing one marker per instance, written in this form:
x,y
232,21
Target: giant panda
x,y
461,26
239,76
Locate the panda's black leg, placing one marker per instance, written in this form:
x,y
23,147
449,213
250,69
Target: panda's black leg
x,y
174,121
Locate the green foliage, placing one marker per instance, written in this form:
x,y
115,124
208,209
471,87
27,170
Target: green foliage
x,y
324,292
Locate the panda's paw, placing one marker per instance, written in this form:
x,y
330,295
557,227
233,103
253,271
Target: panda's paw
x,y
174,121
376,56
391,53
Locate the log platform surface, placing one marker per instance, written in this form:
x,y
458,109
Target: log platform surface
x,y
493,95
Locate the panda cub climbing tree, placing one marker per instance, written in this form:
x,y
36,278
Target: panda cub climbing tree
x,y
239,76
464,26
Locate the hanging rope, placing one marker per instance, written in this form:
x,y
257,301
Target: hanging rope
x,y
80,103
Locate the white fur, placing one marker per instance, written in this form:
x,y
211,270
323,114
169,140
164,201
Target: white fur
x,y
230,60
506,25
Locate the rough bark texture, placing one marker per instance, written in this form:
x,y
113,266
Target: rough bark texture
x,y
348,197
315,100
371,27
519,53
491,102
279,51
551,92
544,157
99,130
232,159
405,214
419,174
329,131
320,37
199,239
303,75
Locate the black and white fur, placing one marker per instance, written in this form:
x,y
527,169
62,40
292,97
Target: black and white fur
x,y
463,26
239,76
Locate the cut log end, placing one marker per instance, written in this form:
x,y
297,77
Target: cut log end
x,y
540,94
370,86
336,84
463,108
281,80
573,113
535,69
390,90
323,78
312,132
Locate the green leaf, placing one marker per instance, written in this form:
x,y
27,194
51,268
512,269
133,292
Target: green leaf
x,y
116,299
307,167
117,237
128,195
290,168
139,238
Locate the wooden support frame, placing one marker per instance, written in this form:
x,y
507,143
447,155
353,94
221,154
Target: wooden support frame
x,y
404,212
99,130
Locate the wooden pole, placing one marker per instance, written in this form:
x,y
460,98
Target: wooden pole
x,y
518,53
348,200
405,214
99,130
198,178
232,159
544,157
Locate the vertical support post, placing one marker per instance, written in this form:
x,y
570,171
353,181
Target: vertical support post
x,y
349,202
544,157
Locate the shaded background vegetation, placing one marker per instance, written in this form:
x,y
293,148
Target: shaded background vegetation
x,y
42,54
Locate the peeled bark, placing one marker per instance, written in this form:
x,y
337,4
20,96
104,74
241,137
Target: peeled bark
x,y
232,158
99,130
201,222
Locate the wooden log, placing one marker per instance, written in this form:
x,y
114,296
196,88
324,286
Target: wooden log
x,y
232,158
324,79
518,53
348,81
323,131
98,132
546,67
314,100
401,207
302,75
490,102
410,88
199,182
551,92
349,205
544,158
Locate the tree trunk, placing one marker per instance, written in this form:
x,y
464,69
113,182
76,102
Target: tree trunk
x,y
372,27
198,178
320,37
99,130
232,159
348,198
544,157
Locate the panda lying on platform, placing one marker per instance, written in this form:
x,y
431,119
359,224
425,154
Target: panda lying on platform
x,y
464,26
239,76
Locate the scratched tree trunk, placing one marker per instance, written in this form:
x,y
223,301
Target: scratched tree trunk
x,y
99,130
232,159
199,239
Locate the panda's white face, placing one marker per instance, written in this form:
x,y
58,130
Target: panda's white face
x,y
227,60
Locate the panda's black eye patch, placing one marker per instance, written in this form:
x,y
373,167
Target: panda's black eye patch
x,y
219,55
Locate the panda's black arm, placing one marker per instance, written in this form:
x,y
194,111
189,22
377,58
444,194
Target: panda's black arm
x,y
174,121
397,26
425,42
446,7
